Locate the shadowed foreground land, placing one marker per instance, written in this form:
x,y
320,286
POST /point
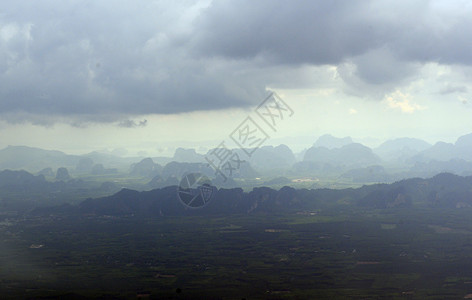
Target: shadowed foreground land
x,y
396,253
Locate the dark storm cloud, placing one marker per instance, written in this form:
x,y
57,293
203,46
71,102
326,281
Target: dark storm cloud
x,y
329,32
104,61
386,42
314,32
88,60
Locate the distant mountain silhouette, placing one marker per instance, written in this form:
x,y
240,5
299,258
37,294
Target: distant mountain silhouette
x,y
48,172
272,158
62,174
187,155
349,155
34,159
84,166
401,143
328,157
265,158
20,190
109,160
331,142
441,151
145,168
432,167
401,148
179,169
20,179
463,147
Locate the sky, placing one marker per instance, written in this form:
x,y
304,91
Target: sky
x,y
149,76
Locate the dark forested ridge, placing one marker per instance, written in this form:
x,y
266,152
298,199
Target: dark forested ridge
x,y
442,191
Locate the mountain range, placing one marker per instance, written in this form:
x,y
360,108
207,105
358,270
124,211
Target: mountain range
x,y
441,191
330,156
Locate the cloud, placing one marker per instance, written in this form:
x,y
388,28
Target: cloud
x,y
105,61
90,59
321,32
398,100
376,46
132,124
353,111
452,89
463,100
313,32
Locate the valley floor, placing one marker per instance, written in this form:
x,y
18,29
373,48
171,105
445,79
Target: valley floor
x,y
358,254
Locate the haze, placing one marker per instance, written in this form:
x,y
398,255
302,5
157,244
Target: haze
x,y
266,149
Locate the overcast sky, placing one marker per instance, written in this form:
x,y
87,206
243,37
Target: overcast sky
x,y
153,75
